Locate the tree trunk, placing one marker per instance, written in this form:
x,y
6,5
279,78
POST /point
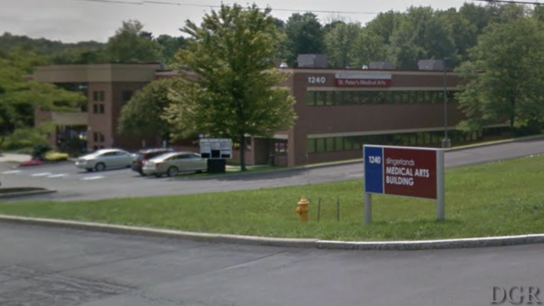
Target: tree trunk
x,y
243,152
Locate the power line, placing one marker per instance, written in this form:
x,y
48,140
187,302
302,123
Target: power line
x,y
217,6
511,1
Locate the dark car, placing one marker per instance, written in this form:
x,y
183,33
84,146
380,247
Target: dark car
x,y
144,155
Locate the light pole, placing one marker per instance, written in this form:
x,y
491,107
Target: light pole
x,y
446,142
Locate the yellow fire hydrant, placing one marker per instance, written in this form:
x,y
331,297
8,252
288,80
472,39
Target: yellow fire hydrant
x,y
302,209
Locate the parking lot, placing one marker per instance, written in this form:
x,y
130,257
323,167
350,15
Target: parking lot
x,y
76,184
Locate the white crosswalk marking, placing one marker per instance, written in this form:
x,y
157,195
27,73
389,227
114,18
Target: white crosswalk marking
x,y
41,174
92,178
12,172
57,175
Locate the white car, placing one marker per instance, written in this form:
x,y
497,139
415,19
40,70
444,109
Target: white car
x,y
174,163
105,159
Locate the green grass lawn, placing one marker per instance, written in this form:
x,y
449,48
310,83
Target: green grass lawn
x,y
502,198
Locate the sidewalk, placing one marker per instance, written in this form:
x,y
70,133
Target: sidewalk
x,y
14,158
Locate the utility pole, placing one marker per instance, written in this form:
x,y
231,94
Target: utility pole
x,y
446,142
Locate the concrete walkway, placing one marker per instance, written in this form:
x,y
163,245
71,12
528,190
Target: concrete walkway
x,y
14,158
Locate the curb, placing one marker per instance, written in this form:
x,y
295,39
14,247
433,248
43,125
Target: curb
x,y
163,233
284,242
25,193
489,144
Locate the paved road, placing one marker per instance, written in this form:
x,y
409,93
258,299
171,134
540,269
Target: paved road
x,y
46,266
73,184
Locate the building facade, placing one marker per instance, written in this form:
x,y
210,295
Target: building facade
x,y
338,110
108,88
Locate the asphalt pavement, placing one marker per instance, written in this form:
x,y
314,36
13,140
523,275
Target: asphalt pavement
x,y
75,184
43,266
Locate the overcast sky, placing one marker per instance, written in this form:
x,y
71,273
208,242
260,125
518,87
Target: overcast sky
x,y
77,20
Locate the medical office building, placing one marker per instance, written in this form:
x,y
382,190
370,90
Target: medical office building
x,y
338,110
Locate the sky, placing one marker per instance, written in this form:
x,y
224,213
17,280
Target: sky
x,y
84,20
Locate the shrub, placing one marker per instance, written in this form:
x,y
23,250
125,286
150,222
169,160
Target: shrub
x,y
54,156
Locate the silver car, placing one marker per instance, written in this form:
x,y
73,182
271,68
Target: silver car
x,y
175,163
105,159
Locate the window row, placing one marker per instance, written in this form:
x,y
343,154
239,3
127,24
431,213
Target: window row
x,y
98,137
99,95
98,108
349,143
320,98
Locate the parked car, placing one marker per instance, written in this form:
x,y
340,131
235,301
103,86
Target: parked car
x,y
146,154
175,163
105,159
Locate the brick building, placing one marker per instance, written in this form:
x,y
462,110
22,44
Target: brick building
x,y
338,110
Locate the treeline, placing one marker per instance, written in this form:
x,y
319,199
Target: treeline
x,y
402,38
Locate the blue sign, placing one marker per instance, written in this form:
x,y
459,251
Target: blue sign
x,y
373,169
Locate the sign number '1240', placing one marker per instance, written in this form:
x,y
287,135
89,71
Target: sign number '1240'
x,y
375,159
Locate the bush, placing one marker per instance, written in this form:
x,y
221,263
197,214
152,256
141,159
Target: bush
x,y
54,156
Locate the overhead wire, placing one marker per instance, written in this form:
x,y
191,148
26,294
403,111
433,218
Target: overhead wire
x,y
144,2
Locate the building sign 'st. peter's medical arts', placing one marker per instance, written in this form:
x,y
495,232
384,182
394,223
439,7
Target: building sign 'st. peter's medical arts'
x,y
362,80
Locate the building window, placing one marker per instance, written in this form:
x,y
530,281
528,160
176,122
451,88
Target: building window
x,y
102,96
310,98
95,108
330,144
95,96
310,145
95,137
101,108
320,145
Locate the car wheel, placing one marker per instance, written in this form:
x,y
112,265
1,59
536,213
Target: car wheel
x,y
142,173
172,171
99,167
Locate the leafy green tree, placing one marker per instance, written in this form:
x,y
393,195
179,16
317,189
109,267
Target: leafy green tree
x,y
304,36
385,24
169,46
421,35
464,33
144,111
501,82
340,43
477,15
229,86
368,47
19,96
131,44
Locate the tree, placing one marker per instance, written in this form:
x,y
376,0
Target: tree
x,y
464,34
502,81
19,96
421,35
169,46
385,24
131,44
229,85
144,111
340,43
304,36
